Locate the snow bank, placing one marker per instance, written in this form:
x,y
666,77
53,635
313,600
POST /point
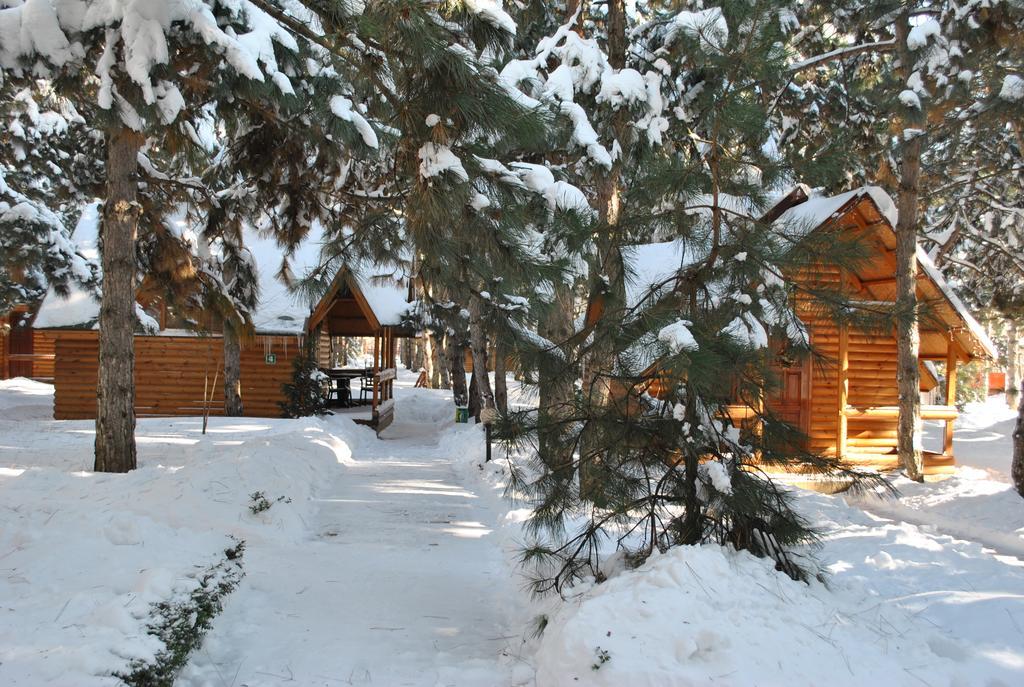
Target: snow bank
x,y
698,615
898,611
87,553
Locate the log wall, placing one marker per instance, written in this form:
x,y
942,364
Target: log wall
x,y
872,383
170,373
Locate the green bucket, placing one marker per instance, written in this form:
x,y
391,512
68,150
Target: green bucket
x,y
462,415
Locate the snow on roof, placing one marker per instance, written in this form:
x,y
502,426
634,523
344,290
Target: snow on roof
x,y
973,325
818,210
649,265
384,288
279,311
79,307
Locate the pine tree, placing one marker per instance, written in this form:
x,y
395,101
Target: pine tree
x,y
46,178
304,395
149,97
700,178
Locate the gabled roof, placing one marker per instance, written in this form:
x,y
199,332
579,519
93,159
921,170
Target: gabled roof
x,y
380,292
800,212
870,207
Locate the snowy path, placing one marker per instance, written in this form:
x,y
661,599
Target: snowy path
x,y
400,584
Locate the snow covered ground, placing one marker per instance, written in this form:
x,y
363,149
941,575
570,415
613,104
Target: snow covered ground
x,y
391,562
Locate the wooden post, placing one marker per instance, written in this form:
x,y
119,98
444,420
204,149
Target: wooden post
x,y
951,364
376,369
843,388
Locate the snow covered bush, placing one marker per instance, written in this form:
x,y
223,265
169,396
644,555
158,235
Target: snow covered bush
x,y
180,624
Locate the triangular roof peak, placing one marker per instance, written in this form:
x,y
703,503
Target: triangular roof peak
x,y
819,210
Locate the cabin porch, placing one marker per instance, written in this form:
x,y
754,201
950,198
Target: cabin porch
x,y
350,310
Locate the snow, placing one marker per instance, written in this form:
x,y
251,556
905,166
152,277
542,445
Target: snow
x,y
747,330
910,99
492,12
79,306
560,195
650,269
818,209
908,600
1012,88
708,26
623,87
919,35
436,159
382,566
385,289
55,30
279,311
678,337
343,109
391,561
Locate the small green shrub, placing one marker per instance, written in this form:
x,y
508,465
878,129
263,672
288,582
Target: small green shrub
x,y
181,625
261,503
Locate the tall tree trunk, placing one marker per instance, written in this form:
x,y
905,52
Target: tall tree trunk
x,y
908,338
232,371
478,344
474,396
556,382
115,391
1017,468
434,368
500,380
1012,383
429,356
407,350
417,357
444,374
457,366
607,291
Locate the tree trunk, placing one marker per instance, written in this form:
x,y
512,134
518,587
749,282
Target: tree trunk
x,y
457,366
478,344
115,390
474,396
607,291
500,380
429,356
908,338
556,383
444,374
434,368
1017,468
232,372
418,357
1012,384
406,348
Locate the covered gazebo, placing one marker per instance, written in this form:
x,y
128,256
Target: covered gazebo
x,y
370,302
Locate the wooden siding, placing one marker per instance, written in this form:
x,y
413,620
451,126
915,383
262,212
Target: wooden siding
x,y
35,357
871,383
170,373
43,353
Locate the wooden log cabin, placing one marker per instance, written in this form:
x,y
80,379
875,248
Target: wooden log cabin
x,y
176,367
849,406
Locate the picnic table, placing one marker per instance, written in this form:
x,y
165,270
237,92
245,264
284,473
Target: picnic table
x,y
340,384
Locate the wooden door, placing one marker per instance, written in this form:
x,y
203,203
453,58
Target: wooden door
x,y
790,401
21,346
